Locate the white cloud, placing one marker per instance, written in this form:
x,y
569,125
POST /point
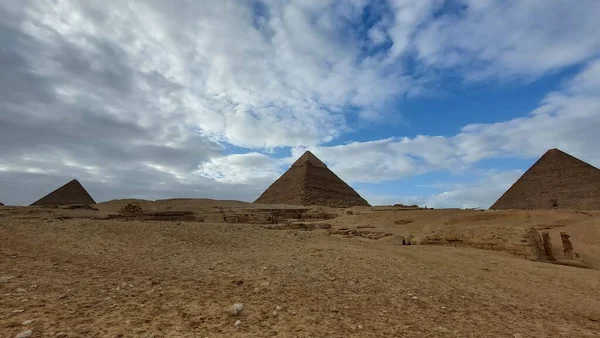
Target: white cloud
x,y
478,195
140,97
250,168
481,194
502,39
568,118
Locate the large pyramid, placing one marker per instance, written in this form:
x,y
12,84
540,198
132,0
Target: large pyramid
x,y
556,180
70,193
310,182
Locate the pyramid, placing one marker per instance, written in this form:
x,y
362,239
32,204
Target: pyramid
x,y
70,193
310,182
556,181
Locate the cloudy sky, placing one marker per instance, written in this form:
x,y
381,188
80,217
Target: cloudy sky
x,y
441,103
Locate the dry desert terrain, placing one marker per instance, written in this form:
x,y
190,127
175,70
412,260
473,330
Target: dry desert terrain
x,y
175,268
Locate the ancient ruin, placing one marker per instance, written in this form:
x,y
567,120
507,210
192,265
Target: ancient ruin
x,y
70,193
556,181
310,182
567,245
548,246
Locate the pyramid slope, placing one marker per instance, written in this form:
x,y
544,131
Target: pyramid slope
x,y
556,181
70,193
310,182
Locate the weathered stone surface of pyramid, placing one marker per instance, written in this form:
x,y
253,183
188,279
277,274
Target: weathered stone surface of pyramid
x,y
556,181
70,193
310,182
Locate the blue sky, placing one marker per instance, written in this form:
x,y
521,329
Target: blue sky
x,y
440,103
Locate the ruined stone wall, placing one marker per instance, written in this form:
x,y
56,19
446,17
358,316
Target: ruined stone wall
x,y
525,243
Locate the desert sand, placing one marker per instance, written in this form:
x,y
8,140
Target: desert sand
x,y
175,269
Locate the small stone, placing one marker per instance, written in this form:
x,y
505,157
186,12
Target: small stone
x,y
27,322
274,313
518,335
443,307
486,269
237,308
24,334
410,294
237,323
5,279
265,268
278,308
415,297
61,335
18,311
360,327
20,290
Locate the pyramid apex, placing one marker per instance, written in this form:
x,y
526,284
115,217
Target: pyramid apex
x,y
554,150
308,157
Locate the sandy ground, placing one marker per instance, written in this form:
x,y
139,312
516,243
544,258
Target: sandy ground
x,y
85,277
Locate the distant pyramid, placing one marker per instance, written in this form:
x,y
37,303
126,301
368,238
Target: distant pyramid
x,y
556,180
70,193
310,182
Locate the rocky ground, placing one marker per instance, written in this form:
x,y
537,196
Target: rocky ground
x,y
87,277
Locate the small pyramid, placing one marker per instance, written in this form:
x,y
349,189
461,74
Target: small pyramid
x,y
310,182
556,181
70,193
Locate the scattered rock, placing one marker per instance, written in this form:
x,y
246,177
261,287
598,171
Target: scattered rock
x,y
278,308
27,322
24,334
18,311
131,208
61,335
360,327
275,313
415,297
6,279
20,290
237,323
518,335
237,308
